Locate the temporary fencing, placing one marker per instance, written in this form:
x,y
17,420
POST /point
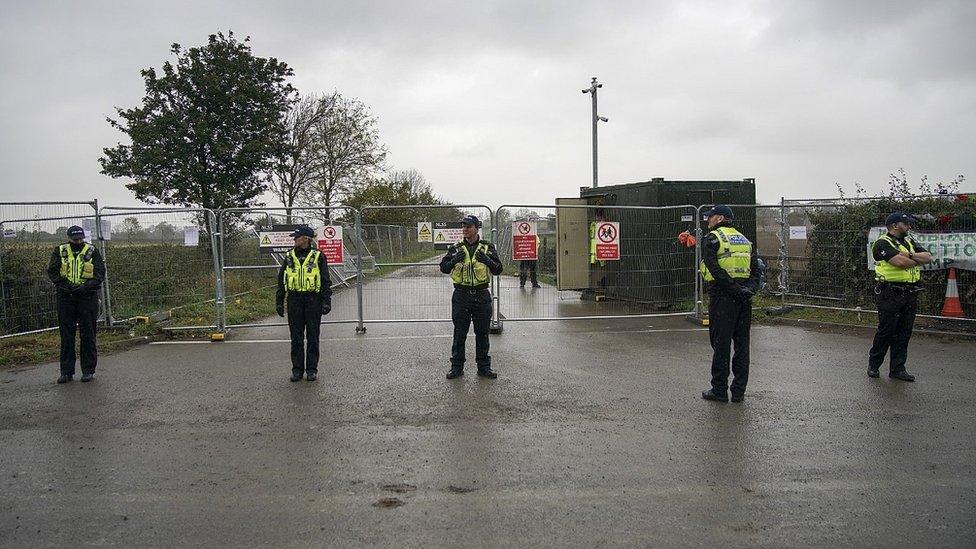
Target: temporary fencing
x,y
217,270
160,263
410,287
595,261
30,232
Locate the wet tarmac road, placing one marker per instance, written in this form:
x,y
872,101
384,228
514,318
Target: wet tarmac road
x,y
593,434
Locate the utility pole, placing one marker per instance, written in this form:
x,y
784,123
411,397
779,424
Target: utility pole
x,y
594,85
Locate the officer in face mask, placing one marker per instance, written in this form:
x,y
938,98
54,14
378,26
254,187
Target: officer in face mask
x,y
304,279
471,264
77,271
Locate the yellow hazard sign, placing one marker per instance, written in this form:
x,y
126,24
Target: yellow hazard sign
x,y
424,233
265,241
440,237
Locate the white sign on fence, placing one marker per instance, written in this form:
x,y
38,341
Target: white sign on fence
x,y
88,225
948,249
278,240
447,233
191,235
798,232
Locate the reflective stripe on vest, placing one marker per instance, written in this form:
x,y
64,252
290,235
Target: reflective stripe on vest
x,y
302,276
77,267
886,272
471,272
734,254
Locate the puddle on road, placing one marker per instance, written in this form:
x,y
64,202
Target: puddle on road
x,y
389,503
400,488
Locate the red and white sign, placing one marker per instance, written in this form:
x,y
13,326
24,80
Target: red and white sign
x,y
608,241
524,241
329,239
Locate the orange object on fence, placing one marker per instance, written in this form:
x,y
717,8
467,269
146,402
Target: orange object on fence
x,y
952,306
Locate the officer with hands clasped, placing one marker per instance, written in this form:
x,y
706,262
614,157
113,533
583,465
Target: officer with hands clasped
x,y
304,279
471,264
730,268
77,271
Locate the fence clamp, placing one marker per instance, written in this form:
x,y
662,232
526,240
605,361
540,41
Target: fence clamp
x,y
215,337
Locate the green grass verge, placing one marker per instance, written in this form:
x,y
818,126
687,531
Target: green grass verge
x,y
46,346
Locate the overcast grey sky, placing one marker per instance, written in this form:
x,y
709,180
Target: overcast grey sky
x,y
484,97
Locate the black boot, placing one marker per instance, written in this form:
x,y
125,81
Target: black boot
x,y
902,375
311,376
487,372
873,372
710,395
455,372
296,376
64,378
85,378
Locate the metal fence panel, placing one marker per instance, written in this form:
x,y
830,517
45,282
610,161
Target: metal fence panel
x,y
827,256
28,300
160,262
654,275
247,273
407,285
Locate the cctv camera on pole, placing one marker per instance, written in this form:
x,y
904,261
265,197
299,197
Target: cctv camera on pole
x,y
594,85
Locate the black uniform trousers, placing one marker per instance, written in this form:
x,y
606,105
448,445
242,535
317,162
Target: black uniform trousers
x,y
78,313
897,306
729,321
469,306
304,322
527,270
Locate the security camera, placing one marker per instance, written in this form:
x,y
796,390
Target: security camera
x,y
603,119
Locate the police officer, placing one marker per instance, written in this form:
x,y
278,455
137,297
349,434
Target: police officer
x,y
304,278
77,271
730,268
897,271
471,263
527,268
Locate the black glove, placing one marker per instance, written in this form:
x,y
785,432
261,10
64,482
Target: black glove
x,y
280,309
745,295
454,257
326,307
483,257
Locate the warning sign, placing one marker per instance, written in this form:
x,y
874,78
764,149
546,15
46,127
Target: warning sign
x,y
276,241
329,240
424,232
447,233
608,241
525,241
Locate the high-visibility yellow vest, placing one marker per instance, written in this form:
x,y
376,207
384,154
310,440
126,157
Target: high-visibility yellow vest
x,y
734,254
77,268
886,272
471,272
593,259
303,276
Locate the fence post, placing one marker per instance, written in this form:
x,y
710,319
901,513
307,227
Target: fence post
x,y
217,253
3,287
698,280
360,328
106,292
496,322
784,269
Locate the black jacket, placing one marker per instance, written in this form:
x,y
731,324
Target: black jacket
x,y
724,283
88,287
326,289
455,255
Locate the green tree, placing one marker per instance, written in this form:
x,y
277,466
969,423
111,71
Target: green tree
x,y
345,150
208,129
400,188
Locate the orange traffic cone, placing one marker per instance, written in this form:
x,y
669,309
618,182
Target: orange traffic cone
x,y
952,306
